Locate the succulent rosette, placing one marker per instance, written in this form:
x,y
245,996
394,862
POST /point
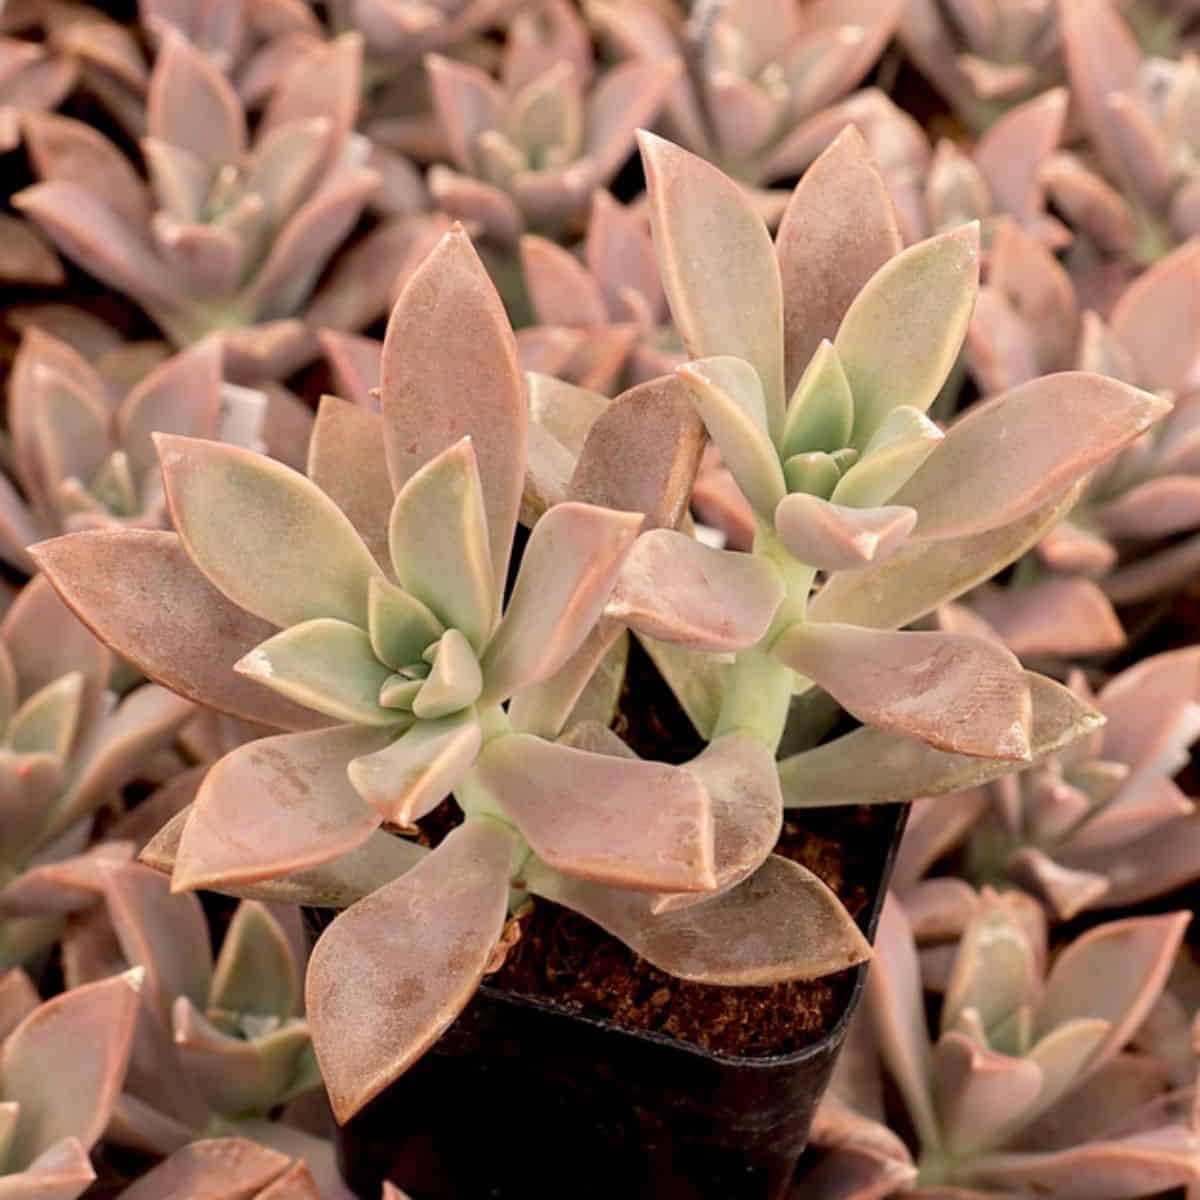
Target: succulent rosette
x,y
1025,1090
83,1035
231,234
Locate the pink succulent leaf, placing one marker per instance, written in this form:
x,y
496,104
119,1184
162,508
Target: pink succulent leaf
x,y
981,1093
938,823
18,998
27,257
468,103
619,822
718,267
179,180
240,1167
87,231
1069,423
626,98
191,104
955,691
836,538
1063,1053
939,909
1143,705
355,363
327,665
739,775
454,682
561,288
678,590
838,230
728,395
257,969
346,461
63,1172
334,884
917,305
439,540
285,164
564,410
1012,153
236,1076
1149,804
1142,1164
1154,509
1065,892
900,447
66,151
549,466
181,396
324,83
719,503
922,576
481,205
297,782
241,517
207,260
641,454
392,972
407,779
28,788
1057,616
68,885
140,591
566,575
619,255
449,371
83,1035
1133,956
739,938
897,1015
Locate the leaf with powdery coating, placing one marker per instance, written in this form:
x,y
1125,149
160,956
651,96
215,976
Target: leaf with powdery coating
x,y
739,774
728,394
62,1173
957,692
717,264
83,1035
438,535
781,924
276,806
454,680
327,665
838,229
902,334
820,412
400,626
450,370
409,778
872,766
256,970
567,572
921,576
1009,455
391,973
620,822
836,538
238,1166
138,590
904,440
674,588
266,536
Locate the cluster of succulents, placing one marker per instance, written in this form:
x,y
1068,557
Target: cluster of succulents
x,y
468,460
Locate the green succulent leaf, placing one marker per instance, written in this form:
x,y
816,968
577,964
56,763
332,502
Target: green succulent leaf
x,y
901,444
820,414
256,971
454,682
47,721
399,625
326,665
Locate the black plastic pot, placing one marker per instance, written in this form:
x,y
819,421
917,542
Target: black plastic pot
x,y
522,1100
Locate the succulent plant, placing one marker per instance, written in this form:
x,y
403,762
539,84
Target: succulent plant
x,y
984,56
1099,824
1025,1090
529,150
228,237
69,746
756,69
62,1063
1133,535
1139,116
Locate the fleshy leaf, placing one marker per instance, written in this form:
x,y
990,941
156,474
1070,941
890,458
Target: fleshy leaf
x,y
1006,457
717,265
616,821
955,691
901,336
904,440
327,665
820,413
409,778
46,723
392,972
454,680
438,535
782,923
277,806
729,397
268,538
256,971
449,370
674,588
836,538
401,627
567,572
